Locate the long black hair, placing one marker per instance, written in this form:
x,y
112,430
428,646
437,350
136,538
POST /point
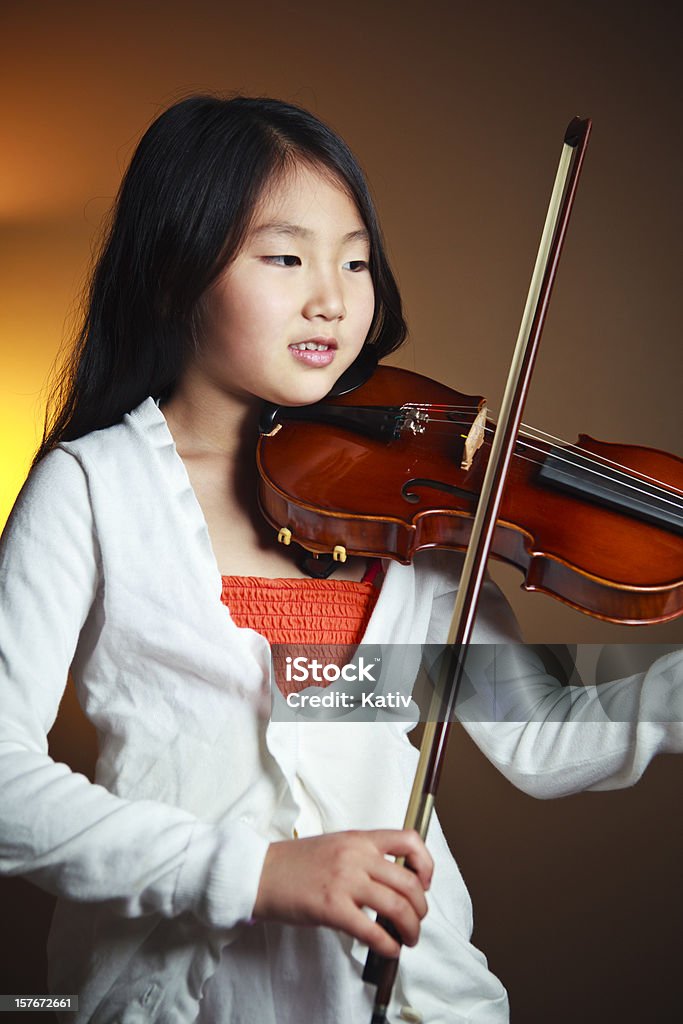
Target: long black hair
x,y
182,212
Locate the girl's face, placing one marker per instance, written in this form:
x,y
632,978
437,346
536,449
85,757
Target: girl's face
x,y
293,309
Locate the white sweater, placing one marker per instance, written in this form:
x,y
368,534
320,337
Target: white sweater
x,y
106,565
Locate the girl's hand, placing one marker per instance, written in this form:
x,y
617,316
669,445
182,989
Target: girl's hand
x,y
326,880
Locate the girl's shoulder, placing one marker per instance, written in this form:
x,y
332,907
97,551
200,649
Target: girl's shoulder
x,y
112,459
144,427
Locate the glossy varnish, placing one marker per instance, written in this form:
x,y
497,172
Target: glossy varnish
x,y
333,486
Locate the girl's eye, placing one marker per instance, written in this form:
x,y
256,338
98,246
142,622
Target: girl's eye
x,y
283,261
356,265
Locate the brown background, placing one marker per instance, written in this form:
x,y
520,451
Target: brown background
x,y
457,113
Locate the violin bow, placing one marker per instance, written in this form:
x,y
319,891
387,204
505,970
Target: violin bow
x,y
379,970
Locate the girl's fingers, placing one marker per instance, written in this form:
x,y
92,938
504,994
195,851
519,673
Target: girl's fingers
x,y
356,923
402,881
390,904
327,880
406,843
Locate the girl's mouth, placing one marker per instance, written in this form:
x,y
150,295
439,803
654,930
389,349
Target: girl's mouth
x,y
313,353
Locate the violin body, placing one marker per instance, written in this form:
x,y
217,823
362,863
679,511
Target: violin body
x,y
607,542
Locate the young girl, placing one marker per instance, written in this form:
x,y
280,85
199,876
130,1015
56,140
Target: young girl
x,y
221,866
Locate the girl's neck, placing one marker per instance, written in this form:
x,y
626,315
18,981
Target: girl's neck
x,y
215,436
207,421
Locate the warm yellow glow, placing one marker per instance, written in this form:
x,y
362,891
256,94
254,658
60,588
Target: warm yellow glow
x,y
25,368
42,267
19,437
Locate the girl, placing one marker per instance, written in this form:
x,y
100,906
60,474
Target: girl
x,y
220,867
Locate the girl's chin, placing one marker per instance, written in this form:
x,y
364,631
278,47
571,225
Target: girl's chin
x,y
312,392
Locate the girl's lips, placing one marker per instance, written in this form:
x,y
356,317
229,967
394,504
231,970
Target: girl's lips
x,y
313,357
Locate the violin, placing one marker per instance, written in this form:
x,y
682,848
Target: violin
x,y
396,465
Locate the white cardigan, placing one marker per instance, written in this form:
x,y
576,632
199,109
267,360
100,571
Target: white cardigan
x,y
106,565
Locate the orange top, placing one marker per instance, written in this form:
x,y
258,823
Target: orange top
x,y
328,616
302,611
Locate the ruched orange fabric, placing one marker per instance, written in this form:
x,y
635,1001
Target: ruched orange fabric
x,y
328,617
301,611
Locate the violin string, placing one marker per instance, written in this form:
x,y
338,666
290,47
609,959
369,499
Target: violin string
x,y
581,452
586,460
662,495
617,472
632,482
619,475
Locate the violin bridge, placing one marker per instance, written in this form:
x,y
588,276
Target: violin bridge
x,y
475,438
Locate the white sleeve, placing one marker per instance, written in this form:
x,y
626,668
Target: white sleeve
x,y
551,740
57,829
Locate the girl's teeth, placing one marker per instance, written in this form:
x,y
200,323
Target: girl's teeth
x,y
311,346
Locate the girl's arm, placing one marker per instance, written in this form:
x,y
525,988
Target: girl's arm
x,y
79,841
549,739
66,834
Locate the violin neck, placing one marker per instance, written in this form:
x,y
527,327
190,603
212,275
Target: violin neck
x,y
611,488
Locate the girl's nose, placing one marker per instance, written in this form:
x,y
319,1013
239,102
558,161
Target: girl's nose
x,y
325,298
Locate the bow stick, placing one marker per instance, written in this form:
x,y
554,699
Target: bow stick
x,y
379,970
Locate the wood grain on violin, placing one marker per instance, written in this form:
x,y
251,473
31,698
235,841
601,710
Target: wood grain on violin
x,y
598,525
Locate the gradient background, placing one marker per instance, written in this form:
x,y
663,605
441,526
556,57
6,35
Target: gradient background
x,y
457,113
